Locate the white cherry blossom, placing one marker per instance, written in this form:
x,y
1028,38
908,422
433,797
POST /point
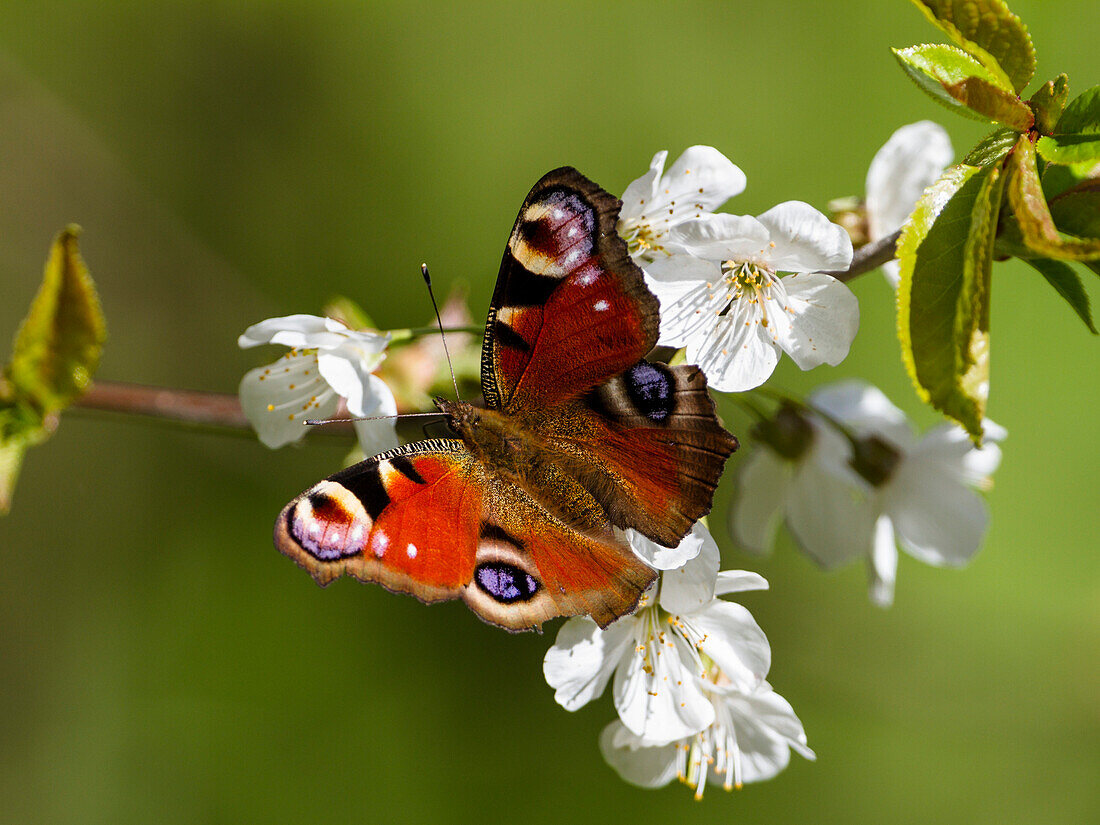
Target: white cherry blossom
x,y
700,181
658,655
729,305
750,740
327,362
899,490
909,162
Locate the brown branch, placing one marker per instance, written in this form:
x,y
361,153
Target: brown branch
x,y
213,409
869,257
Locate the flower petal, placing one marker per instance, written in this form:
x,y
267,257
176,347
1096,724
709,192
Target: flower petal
x,y
822,317
938,520
583,657
701,180
646,766
732,638
278,398
380,434
865,408
738,581
295,331
882,570
691,586
804,239
723,237
640,195
737,353
762,482
688,310
656,696
949,446
911,160
664,558
827,510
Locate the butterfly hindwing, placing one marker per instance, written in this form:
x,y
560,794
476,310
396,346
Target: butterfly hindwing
x,y
570,308
429,519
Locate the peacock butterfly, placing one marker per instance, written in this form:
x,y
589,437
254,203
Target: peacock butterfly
x,y
579,435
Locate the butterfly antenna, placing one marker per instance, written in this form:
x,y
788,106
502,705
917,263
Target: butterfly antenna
x,y
447,352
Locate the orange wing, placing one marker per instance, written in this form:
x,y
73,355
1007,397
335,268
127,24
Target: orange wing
x,y
427,519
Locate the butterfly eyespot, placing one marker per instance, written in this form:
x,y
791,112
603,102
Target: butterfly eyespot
x,y
505,582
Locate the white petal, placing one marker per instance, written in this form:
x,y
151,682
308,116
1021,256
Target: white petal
x,y
823,316
882,570
646,766
738,581
804,239
295,331
949,446
583,657
682,268
665,558
828,513
762,482
773,711
737,353
688,588
701,168
378,435
277,399
723,237
685,310
656,696
733,639
938,520
640,195
866,409
911,160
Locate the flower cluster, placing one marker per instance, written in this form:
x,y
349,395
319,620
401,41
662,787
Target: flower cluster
x,y
850,480
722,280
689,673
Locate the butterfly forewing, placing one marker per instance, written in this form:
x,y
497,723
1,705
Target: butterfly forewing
x,y
570,308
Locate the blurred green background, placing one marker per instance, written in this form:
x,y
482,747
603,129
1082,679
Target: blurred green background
x,y
160,662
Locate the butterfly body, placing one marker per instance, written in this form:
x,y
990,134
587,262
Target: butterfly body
x,y
522,514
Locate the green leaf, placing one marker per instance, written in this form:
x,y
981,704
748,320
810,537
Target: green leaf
x,y
1048,103
961,83
1077,210
946,255
1061,276
992,149
57,348
1029,206
1076,137
991,33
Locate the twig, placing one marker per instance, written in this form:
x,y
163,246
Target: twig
x,y
192,407
869,257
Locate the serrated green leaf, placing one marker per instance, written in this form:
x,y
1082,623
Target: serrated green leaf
x,y
1061,276
1076,137
991,33
1048,103
1077,210
946,255
1029,206
964,85
57,347
992,149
